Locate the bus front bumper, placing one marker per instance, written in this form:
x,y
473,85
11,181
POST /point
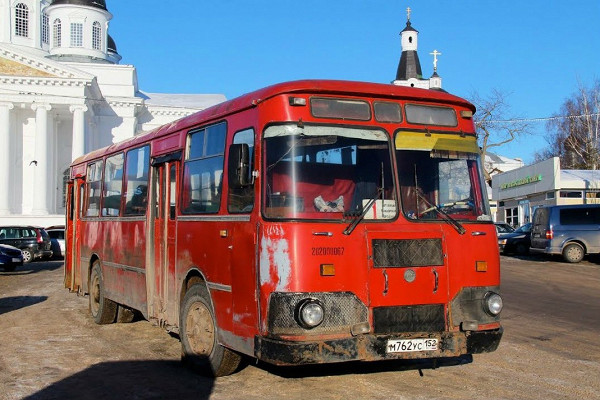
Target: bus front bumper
x,y
372,347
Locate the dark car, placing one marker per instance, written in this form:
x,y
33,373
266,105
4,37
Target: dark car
x,y
517,242
33,241
10,257
503,227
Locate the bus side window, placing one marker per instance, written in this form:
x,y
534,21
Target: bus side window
x,y
136,181
81,200
112,186
173,190
241,199
92,190
203,170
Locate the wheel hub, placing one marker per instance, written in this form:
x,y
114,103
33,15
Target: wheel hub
x,y
200,330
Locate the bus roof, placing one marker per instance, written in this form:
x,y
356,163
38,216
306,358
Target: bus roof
x,y
252,99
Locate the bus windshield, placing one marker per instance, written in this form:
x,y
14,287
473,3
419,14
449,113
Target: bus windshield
x,y
439,183
327,172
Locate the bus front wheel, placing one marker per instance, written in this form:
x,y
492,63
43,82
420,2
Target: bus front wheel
x,y
103,310
198,332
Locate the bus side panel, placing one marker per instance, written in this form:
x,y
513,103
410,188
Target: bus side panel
x,y
243,242
202,245
122,268
89,232
129,274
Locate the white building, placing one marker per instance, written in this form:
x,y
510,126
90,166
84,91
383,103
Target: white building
x,y
63,94
409,68
520,191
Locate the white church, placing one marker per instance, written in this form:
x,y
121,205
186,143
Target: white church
x,y
63,93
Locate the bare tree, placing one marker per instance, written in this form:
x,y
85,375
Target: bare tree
x,y
495,124
575,131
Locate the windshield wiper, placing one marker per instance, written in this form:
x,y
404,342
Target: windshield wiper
x,y
459,228
350,228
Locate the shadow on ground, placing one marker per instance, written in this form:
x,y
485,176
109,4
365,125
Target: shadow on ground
x,y
547,258
35,267
130,380
8,304
353,368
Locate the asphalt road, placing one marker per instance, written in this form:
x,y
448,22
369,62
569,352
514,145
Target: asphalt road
x,y
50,349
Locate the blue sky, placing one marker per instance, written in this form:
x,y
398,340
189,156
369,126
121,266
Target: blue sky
x,y
534,51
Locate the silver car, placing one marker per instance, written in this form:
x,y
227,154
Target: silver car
x,y
57,238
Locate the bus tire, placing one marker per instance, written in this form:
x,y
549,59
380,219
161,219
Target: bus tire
x,y
103,310
198,333
573,253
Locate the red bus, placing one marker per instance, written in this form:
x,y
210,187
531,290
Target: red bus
x,y
307,222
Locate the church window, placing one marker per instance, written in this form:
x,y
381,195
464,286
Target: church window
x,y
22,20
76,34
96,36
56,33
410,39
45,29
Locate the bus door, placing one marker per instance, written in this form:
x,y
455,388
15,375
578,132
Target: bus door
x,y
160,265
73,238
409,268
69,228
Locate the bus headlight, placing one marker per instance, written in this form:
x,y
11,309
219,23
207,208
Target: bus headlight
x,y
492,303
309,313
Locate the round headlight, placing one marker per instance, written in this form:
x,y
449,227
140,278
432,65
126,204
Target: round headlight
x,y
310,313
492,303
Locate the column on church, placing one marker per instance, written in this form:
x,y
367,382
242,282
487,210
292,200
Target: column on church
x,y
78,146
5,158
43,170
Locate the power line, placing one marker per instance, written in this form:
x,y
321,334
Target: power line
x,y
541,119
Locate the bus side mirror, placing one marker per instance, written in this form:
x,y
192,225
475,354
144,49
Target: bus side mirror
x,y
239,166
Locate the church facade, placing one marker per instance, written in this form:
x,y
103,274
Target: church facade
x,y
63,93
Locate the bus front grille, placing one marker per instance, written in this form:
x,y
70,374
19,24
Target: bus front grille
x,y
407,252
398,319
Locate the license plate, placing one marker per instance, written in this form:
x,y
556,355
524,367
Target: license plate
x,y
408,345
16,260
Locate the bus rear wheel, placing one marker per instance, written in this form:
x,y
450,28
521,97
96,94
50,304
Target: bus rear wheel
x,y
103,310
198,332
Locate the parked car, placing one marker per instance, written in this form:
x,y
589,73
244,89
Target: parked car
x,y
57,238
517,242
503,227
572,231
10,257
33,241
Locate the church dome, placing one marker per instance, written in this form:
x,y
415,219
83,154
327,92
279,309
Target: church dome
x,y
88,3
80,32
111,46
